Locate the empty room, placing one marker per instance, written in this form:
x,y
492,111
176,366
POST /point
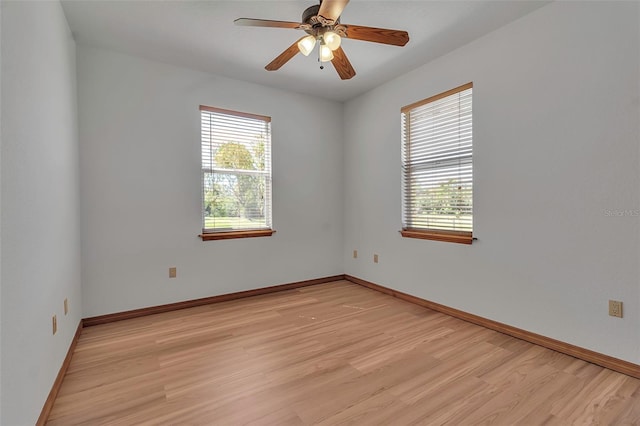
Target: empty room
x,y
319,212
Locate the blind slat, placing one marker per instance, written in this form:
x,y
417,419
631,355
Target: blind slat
x,y
236,170
437,152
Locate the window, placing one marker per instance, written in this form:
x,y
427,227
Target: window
x,y
236,174
437,167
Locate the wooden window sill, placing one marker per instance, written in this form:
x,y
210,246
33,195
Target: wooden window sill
x,y
228,235
446,236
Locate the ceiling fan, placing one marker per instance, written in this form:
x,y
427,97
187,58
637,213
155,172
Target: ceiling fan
x,y
322,24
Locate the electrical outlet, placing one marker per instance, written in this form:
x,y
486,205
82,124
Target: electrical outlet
x,y
615,308
54,322
355,254
172,272
375,258
66,306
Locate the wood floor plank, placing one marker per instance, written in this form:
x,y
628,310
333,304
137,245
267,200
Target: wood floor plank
x,y
333,353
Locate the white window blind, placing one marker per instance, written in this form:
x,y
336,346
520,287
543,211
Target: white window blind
x,y
437,163
236,170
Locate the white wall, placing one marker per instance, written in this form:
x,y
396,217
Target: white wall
x,y
140,185
40,204
556,107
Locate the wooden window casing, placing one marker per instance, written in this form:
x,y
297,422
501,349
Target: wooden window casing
x,y
236,174
437,167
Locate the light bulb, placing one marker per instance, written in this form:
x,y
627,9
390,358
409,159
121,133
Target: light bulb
x,y
306,45
332,40
325,53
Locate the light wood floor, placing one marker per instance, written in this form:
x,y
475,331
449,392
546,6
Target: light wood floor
x,y
334,353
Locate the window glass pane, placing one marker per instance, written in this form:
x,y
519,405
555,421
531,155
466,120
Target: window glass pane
x,y
236,170
438,163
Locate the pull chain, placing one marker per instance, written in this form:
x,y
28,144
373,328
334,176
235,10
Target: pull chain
x,y
320,56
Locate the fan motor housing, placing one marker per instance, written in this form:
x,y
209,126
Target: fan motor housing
x,y
309,13
314,23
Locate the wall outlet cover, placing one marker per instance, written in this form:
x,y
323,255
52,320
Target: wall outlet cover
x,y
615,308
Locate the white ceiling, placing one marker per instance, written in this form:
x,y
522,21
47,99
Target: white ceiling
x,y
201,35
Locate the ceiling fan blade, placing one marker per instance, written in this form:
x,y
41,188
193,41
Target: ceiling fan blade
x,y
377,35
284,57
250,22
342,64
332,9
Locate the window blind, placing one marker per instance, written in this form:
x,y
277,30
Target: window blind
x,y
437,163
236,170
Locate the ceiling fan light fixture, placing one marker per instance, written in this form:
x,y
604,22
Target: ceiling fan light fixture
x,y
326,54
306,45
322,24
332,40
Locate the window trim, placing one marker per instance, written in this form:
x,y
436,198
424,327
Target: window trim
x,y
439,96
265,118
451,236
227,234
461,237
